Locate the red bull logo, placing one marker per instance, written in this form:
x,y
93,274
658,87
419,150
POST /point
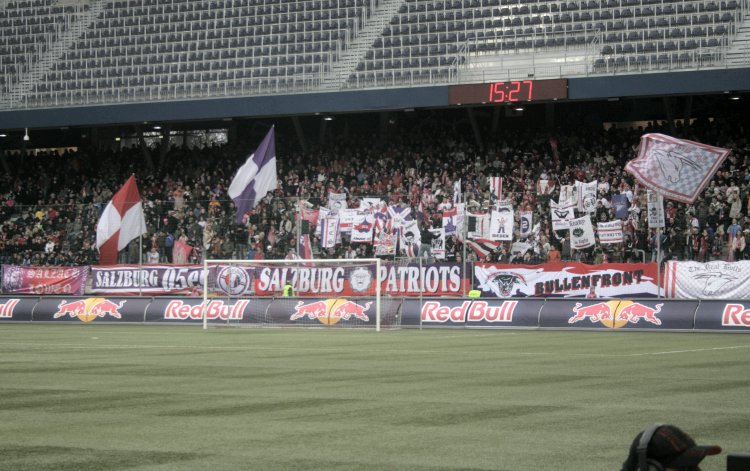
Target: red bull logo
x,y
216,309
86,310
735,315
468,311
331,311
616,314
6,309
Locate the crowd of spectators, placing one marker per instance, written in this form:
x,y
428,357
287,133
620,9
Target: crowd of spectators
x,y
50,203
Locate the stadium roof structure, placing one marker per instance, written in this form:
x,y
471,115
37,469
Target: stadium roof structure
x,y
99,62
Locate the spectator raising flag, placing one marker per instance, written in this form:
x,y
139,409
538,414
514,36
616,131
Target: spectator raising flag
x,y
121,221
255,178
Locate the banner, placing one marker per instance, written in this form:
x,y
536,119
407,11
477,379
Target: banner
x,y
346,219
712,280
385,244
676,168
567,280
398,216
44,280
329,232
147,279
568,196
581,233
438,244
336,202
410,239
518,250
621,205
587,196
610,232
526,224
479,226
501,222
655,209
364,223
436,279
449,221
561,216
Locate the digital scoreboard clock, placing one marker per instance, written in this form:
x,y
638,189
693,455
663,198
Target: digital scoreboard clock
x,y
513,91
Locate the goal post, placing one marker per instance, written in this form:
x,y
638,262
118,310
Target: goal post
x,y
324,292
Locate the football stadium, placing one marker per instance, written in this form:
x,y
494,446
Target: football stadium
x,y
374,235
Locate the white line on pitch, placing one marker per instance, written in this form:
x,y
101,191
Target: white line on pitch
x,y
672,352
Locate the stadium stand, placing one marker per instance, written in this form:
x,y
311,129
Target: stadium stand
x,y
95,52
49,212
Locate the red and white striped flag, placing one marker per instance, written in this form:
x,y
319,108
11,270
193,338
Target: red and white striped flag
x,y
496,189
121,221
482,247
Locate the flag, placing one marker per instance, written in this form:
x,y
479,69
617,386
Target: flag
x,y
336,202
457,196
478,226
587,196
181,252
362,228
675,168
581,233
621,204
655,204
121,221
496,190
304,249
410,239
610,232
449,221
255,178
501,222
385,244
398,216
526,223
438,244
482,247
420,212
329,232
561,216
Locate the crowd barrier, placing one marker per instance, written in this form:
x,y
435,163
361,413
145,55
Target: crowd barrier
x,y
465,313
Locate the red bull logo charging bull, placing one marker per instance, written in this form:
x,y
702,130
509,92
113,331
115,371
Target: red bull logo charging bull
x,y
89,309
616,314
331,311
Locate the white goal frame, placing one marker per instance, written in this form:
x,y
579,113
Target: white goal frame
x,y
317,261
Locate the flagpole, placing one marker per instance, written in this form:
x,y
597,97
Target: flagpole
x,y
658,262
140,264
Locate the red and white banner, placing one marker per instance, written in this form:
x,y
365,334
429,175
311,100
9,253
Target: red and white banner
x,y
677,169
501,222
610,232
44,280
712,280
567,280
496,190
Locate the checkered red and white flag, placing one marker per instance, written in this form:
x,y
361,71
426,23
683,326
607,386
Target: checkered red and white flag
x,y
675,168
121,221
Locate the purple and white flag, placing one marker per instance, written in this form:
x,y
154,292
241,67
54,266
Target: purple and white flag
x,y
255,178
675,168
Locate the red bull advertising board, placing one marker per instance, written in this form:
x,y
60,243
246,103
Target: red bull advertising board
x,y
723,315
618,314
334,312
217,310
17,309
90,309
461,312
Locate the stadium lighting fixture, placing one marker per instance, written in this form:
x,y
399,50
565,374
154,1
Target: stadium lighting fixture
x,y
3,135
117,139
26,134
735,97
519,108
328,118
157,128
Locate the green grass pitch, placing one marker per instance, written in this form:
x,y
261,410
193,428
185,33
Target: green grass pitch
x,y
113,397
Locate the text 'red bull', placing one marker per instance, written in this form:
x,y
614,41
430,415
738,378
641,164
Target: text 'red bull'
x,y
178,310
468,311
735,315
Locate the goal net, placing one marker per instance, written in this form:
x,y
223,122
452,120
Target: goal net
x,y
303,293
